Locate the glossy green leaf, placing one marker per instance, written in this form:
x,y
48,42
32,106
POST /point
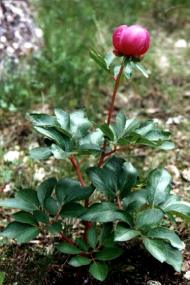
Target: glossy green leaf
x,y
78,261
107,235
135,200
128,70
58,152
40,153
148,218
82,244
42,120
63,119
24,217
41,216
51,205
164,252
104,212
141,69
73,210
68,190
99,270
45,189
22,233
17,203
108,253
106,130
168,235
109,58
158,186
92,236
124,234
177,207
29,196
68,248
56,136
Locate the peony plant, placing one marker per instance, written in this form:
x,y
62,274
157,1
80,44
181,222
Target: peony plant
x,y
112,202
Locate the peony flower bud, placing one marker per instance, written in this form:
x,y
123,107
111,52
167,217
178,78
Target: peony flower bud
x,y
131,41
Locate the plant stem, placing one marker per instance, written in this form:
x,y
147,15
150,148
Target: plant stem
x,y
82,182
65,238
77,169
110,112
117,81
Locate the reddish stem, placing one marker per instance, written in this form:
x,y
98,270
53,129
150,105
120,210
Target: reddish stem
x,y
82,182
110,112
77,169
65,238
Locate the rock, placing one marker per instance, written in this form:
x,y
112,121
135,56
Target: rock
x,y
181,43
152,282
11,156
186,174
187,275
19,34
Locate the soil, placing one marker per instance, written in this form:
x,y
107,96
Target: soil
x,y
135,267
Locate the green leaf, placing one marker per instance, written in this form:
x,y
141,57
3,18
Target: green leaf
x,y
68,190
109,58
16,203
41,216
59,138
124,234
141,69
2,277
92,236
109,253
73,210
168,235
117,176
82,244
79,124
107,235
63,119
158,186
135,200
29,196
99,270
128,70
45,189
148,218
68,248
42,120
127,178
164,252
78,261
40,153
58,152
98,58
51,206
177,208
22,233
116,71
119,127
107,131
24,217
166,145
55,228
103,212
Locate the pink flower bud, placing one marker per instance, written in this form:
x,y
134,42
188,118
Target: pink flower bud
x,y
131,41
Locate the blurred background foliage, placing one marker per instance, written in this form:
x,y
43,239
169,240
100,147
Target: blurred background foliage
x,y
63,74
